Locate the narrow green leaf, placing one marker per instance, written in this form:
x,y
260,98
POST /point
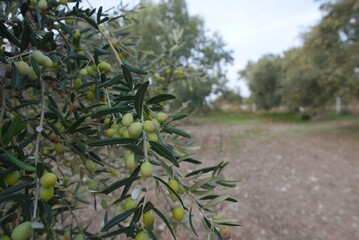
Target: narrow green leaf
x,y
101,51
202,170
164,152
27,141
25,36
134,69
12,197
128,185
139,97
190,160
14,76
177,131
191,223
14,188
99,13
6,34
178,116
208,197
73,127
109,110
90,21
165,220
17,162
35,66
225,221
117,219
160,98
111,141
48,37
115,233
128,76
215,201
200,183
95,157
119,184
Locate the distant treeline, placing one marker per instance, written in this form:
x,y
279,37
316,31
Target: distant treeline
x,y
326,66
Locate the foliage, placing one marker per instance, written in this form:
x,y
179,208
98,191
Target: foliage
x,y
263,79
320,70
75,106
187,60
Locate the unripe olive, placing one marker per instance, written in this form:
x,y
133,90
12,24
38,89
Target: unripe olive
x,y
76,34
225,233
129,204
79,237
67,234
31,74
104,67
149,126
90,71
135,129
5,238
12,178
146,169
77,83
101,28
46,193
122,131
104,204
152,137
148,218
63,2
142,236
181,189
110,132
178,213
90,165
161,116
58,148
33,2
173,184
127,119
38,56
130,161
22,67
106,120
90,95
48,62
83,72
42,4
48,180
93,185
22,231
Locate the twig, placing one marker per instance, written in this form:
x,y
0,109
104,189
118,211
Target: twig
x,y
37,144
3,105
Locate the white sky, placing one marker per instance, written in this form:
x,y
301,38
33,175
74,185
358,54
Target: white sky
x,y
251,28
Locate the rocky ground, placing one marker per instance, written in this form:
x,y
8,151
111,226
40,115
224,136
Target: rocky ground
x,y
299,181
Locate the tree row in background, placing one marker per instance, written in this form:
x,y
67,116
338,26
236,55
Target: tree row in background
x,y
323,68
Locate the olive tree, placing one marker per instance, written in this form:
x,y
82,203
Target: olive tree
x,y
79,129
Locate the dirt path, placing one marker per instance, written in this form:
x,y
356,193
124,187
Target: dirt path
x,y
298,182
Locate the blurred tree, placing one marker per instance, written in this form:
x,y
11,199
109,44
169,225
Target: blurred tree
x,y
189,60
263,79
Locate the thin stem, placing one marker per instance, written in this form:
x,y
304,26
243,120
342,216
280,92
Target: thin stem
x,y
37,144
113,49
3,105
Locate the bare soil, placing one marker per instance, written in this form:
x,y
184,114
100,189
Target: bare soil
x,y
299,181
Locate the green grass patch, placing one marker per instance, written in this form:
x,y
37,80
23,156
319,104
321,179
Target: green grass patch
x,y
227,118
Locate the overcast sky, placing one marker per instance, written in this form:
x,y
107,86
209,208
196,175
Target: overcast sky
x,y
251,28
